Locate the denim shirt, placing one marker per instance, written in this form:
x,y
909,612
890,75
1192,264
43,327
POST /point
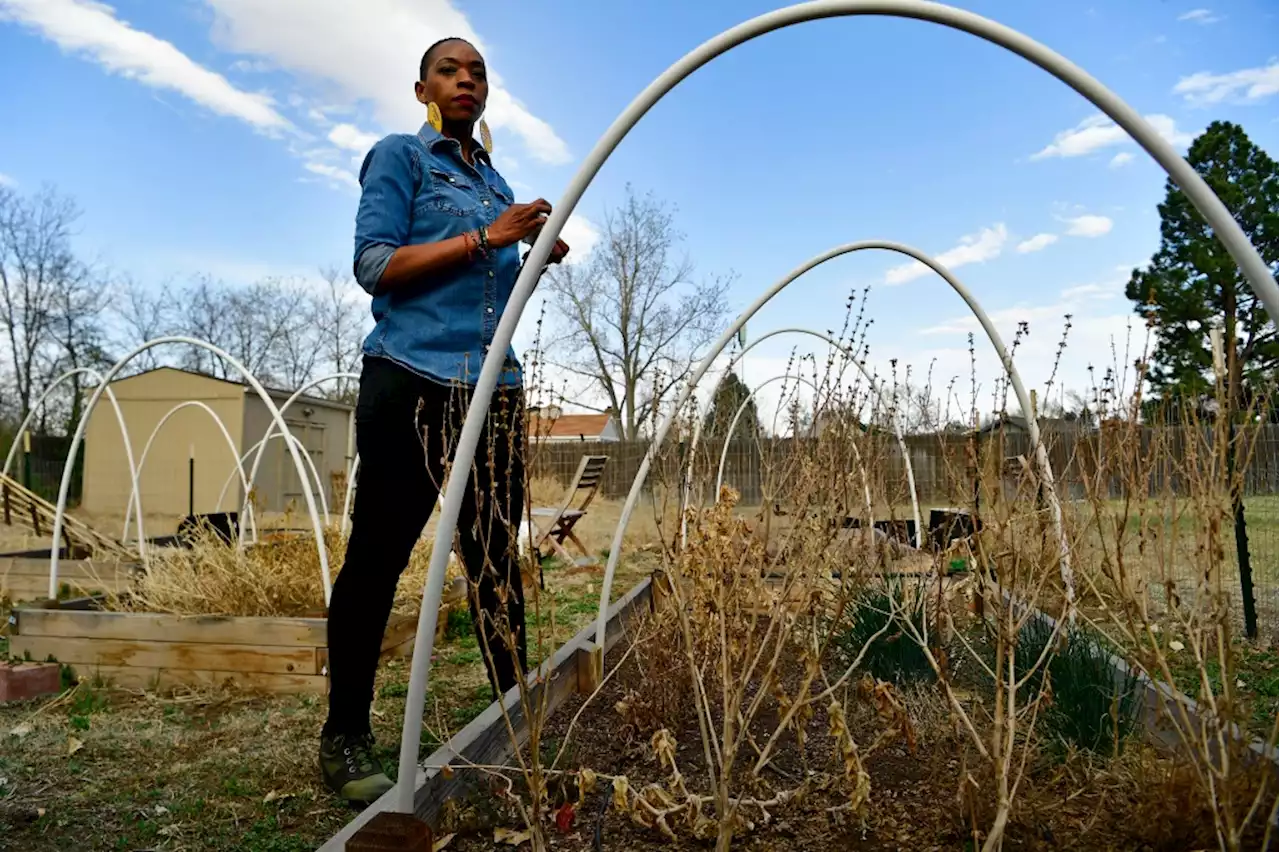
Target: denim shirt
x,y
417,189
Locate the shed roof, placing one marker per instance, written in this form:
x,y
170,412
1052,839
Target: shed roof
x,y
275,393
569,426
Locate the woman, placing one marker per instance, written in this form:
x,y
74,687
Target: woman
x,y
436,247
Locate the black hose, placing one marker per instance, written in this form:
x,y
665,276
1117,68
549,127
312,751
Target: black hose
x,y
598,843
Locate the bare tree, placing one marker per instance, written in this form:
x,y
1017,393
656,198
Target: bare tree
x,y
340,323
79,302
36,264
142,314
629,320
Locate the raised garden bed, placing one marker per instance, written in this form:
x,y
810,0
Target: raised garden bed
x,y
909,778
1160,703
486,741
162,651
24,575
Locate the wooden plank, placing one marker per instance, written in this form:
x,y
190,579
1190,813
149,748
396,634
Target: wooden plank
x,y
36,588
23,588
485,740
399,629
281,659
29,504
146,626
39,567
163,680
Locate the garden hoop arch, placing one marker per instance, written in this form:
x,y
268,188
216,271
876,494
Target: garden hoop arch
x,y
1015,379
262,445
1210,206
737,415
249,378
124,434
142,460
875,387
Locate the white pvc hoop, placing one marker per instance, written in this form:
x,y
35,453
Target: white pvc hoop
x,y
1210,206
879,398
1024,400
742,407
741,410
257,387
124,434
146,449
262,445
346,498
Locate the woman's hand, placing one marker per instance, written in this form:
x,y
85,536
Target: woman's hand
x,y
558,251
517,222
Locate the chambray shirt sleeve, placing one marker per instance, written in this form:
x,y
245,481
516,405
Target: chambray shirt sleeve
x,y
386,204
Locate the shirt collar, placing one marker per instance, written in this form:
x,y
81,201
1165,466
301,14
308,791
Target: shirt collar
x,y
431,138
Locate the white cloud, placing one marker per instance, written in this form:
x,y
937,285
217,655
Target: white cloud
x,y
1243,86
1098,132
1121,159
351,138
334,173
5,180
582,235
370,52
1088,225
1093,291
1036,243
92,30
972,248
1199,16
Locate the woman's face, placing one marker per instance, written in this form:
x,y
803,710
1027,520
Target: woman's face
x,y
456,81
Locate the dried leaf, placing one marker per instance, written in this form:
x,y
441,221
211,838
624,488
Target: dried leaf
x,y
21,731
274,796
74,745
564,818
510,837
442,842
447,772
620,800
1175,645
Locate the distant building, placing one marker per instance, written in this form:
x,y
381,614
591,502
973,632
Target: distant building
x,y
550,424
322,426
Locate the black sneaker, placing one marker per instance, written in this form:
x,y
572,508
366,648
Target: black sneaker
x,y
350,769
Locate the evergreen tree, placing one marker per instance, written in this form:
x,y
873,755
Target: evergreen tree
x,y
1192,283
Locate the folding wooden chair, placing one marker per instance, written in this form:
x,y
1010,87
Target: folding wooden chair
x,y
553,525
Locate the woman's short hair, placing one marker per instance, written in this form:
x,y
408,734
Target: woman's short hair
x,y
425,64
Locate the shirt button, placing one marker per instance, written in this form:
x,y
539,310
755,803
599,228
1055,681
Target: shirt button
x,y
488,310
490,273
486,204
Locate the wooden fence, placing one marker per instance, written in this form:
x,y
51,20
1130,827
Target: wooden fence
x,y
939,462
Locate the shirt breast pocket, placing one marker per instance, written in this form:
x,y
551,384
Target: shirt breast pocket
x,y
450,193
502,196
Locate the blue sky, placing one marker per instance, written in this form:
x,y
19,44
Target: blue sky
x,y
222,137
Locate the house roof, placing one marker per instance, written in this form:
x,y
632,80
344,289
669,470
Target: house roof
x,y
276,393
569,426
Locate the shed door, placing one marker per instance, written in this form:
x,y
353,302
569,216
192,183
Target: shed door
x,y
311,435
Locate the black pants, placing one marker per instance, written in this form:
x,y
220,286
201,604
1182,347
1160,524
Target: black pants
x,y
406,428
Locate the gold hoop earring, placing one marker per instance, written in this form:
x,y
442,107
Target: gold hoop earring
x,y
433,117
486,138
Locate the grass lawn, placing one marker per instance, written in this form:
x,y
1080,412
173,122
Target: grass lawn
x,y
104,769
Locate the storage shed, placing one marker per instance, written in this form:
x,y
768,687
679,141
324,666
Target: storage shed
x,y
191,441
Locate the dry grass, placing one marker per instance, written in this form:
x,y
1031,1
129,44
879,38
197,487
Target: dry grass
x,y
273,578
